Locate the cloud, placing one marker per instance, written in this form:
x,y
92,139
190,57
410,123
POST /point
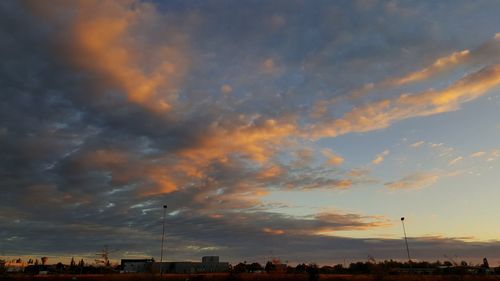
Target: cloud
x,y
252,137
380,157
104,117
273,231
355,221
270,172
441,150
332,158
303,157
269,66
359,172
439,65
455,161
414,181
417,144
477,154
226,89
310,177
277,21
100,39
481,78
381,114
494,154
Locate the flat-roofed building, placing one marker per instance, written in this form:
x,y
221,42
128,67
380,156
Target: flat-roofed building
x,y
208,264
137,265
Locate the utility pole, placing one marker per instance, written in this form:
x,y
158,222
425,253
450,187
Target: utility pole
x,y
162,240
406,240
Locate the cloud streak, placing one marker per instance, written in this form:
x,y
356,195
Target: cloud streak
x,y
381,114
380,157
414,181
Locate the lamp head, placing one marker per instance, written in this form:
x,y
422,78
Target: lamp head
x,y
402,218
164,206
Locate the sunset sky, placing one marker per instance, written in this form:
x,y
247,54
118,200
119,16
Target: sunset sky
x,y
302,130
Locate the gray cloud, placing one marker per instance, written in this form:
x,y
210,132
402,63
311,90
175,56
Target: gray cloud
x,y
82,164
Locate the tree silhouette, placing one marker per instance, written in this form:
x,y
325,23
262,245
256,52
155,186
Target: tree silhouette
x,y
301,268
270,267
485,263
313,272
59,267
239,268
255,267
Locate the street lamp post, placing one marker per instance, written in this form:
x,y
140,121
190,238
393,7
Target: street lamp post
x,y
162,240
406,240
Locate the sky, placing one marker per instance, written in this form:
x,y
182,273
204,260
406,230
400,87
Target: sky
x,y
299,130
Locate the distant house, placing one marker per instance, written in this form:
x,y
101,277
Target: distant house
x,y
137,265
208,264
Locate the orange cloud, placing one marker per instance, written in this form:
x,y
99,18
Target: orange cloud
x,y
477,154
270,67
320,108
347,222
155,178
380,157
332,158
414,181
495,154
252,140
471,58
226,89
257,141
271,172
380,114
343,183
152,176
273,231
162,180
439,65
104,39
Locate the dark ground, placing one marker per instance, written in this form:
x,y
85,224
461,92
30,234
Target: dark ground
x,y
246,277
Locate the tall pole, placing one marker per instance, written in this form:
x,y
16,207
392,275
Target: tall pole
x,y
406,240
162,240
